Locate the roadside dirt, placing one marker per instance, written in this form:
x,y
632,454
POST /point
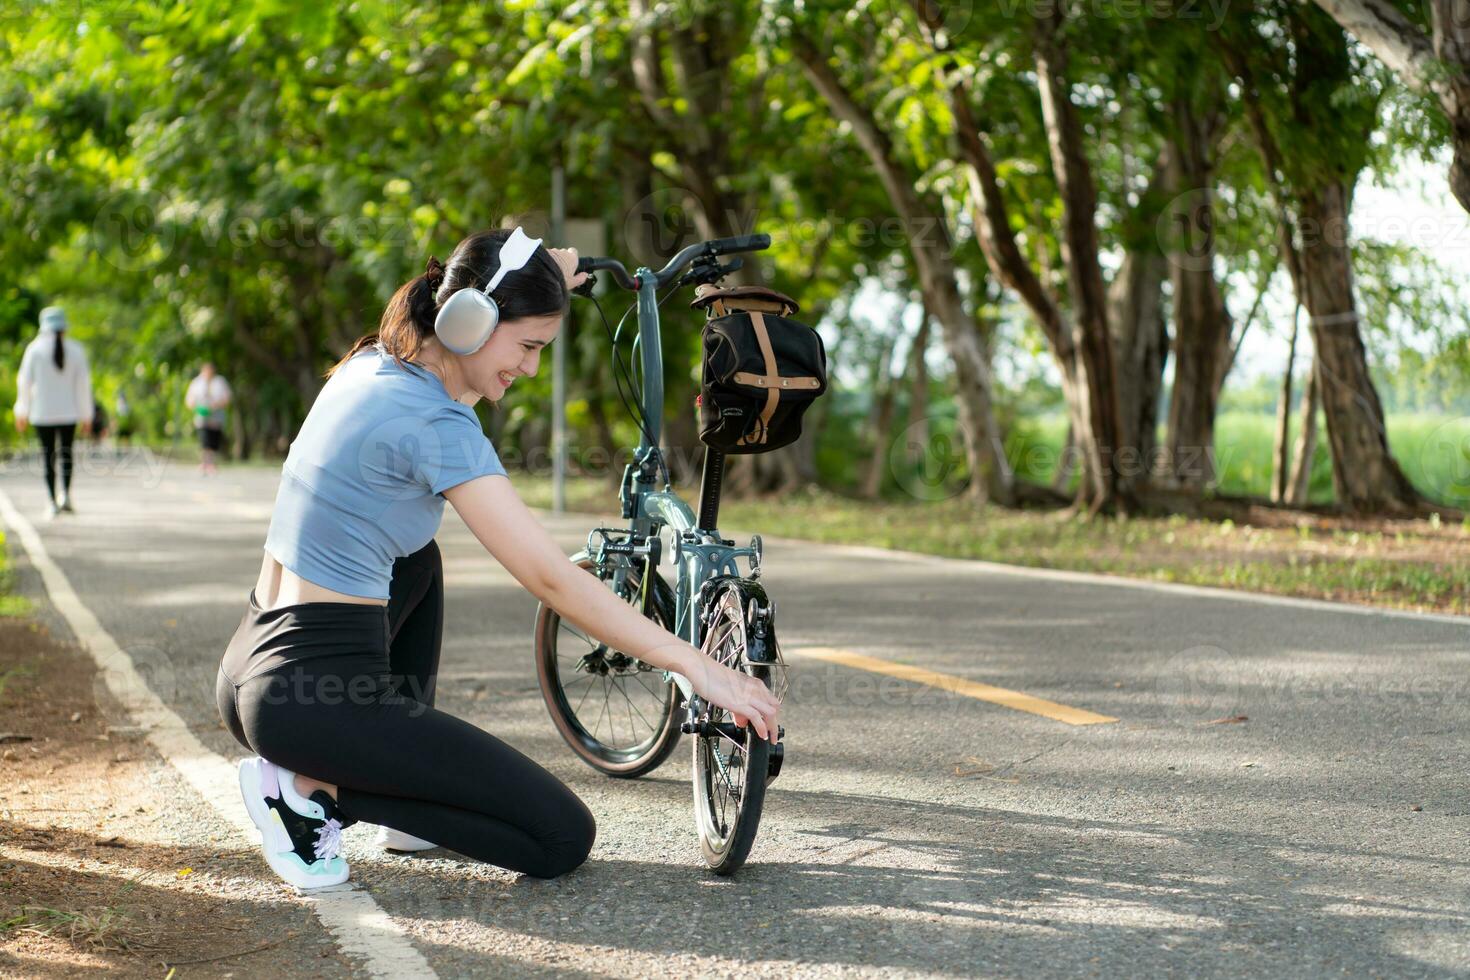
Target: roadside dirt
x,y
93,880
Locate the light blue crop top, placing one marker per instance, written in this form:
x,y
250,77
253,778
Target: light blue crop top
x,y
362,483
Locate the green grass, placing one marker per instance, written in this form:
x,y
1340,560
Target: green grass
x,y
1422,566
11,605
1433,450
114,927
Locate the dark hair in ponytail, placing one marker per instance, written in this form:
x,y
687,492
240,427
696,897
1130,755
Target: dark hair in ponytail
x,y
538,289
58,353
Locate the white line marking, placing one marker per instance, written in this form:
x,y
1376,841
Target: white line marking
x,y
359,925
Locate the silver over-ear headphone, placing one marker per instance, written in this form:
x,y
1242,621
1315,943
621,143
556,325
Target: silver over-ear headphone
x,y
468,318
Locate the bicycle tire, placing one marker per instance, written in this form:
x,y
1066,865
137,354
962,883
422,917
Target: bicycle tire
x,y
627,762
725,844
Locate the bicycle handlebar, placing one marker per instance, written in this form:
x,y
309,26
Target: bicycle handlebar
x,y
710,249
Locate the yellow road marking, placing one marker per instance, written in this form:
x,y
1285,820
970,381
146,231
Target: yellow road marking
x,y
956,685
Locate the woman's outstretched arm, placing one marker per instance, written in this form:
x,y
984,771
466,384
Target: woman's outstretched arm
x,y
511,533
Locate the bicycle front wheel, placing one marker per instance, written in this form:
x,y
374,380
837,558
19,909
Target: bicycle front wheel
x,y
616,712
731,764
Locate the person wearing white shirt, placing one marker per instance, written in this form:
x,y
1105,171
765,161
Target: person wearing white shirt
x,y
208,396
53,392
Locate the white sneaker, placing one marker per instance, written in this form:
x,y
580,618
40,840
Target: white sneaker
x,y
301,837
52,509
66,503
399,842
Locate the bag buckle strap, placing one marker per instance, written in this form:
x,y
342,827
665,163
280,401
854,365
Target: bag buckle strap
x,y
773,394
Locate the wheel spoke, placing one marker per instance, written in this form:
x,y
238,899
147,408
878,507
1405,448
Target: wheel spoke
x,y
563,624
632,707
578,709
658,698
597,726
728,633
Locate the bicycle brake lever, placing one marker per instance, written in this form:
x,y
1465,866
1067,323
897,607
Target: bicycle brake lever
x,y
709,271
585,289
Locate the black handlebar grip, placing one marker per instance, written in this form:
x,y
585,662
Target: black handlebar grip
x,y
740,243
584,263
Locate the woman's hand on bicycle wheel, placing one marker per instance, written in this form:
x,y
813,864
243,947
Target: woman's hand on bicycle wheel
x,y
747,699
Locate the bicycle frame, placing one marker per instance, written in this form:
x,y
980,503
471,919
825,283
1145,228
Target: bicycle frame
x,y
700,553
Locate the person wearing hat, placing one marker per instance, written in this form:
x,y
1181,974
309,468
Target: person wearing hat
x,y
53,393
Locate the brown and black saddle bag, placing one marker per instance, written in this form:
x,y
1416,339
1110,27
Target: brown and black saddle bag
x,y
760,372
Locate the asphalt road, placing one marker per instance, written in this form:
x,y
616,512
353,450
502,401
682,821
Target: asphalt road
x,y
915,830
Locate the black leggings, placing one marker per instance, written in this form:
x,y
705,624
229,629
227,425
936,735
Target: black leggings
x,y
50,435
344,693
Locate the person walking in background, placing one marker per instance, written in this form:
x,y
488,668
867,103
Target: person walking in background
x,y
53,392
207,397
100,424
123,413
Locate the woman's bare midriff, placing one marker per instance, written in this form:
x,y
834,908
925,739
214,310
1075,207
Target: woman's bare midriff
x,y
278,586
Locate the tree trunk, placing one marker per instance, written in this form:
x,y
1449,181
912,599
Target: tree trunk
x,y
1061,480
1300,483
880,421
917,426
932,252
1096,380
1365,474
1280,454
1141,337
1201,322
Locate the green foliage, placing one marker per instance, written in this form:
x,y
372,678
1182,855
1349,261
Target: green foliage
x,y
249,182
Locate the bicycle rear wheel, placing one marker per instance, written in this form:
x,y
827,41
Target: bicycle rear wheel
x,y
616,712
731,765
